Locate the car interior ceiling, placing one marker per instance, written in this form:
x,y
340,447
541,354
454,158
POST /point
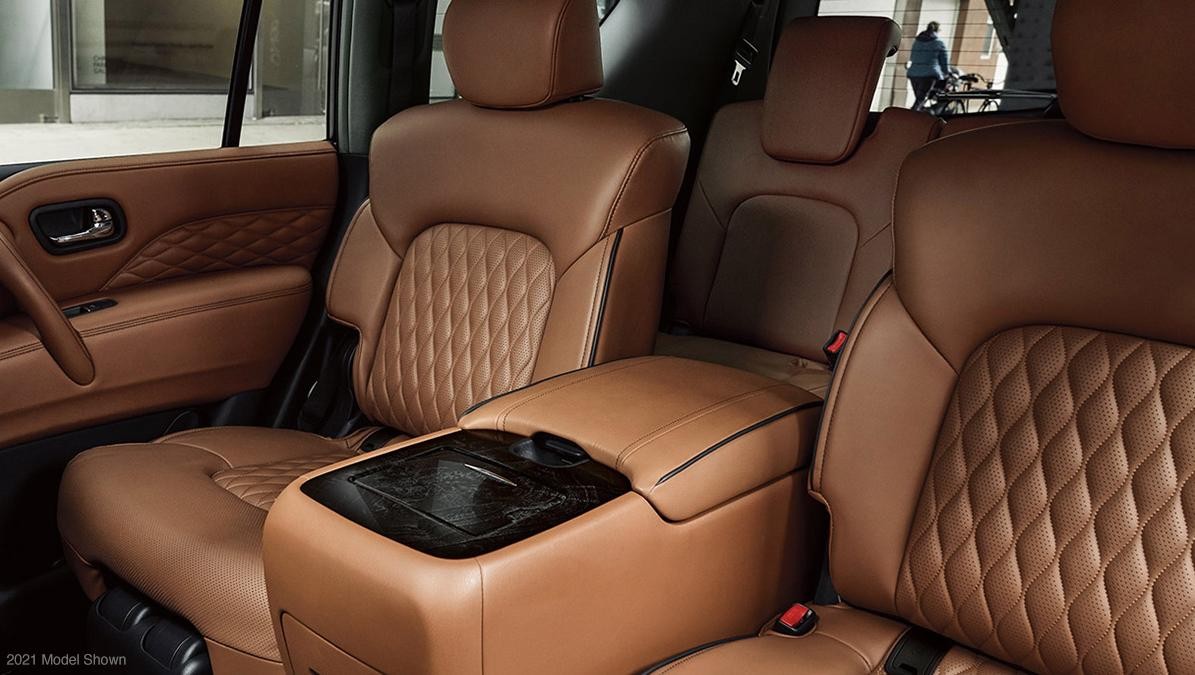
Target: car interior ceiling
x,y
662,345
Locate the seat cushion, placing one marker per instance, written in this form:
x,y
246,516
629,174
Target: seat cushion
x,y
180,519
809,375
846,641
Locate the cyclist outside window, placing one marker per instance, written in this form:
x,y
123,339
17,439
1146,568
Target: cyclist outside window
x,y
929,64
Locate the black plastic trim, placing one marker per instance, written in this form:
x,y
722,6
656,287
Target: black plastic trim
x,y
238,86
736,435
597,329
332,114
917,652
88,307
141,637
8,170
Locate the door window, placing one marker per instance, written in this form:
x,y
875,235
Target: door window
x,y
96,78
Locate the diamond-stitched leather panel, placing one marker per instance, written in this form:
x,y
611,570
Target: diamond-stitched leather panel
x,y
1053,530
290,237
261,484
468,314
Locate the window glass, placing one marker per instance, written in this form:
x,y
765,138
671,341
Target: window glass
x,y
153,46
441,82
288,99
96,78
959,56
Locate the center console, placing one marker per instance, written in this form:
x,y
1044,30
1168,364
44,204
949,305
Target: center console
x,y
595,522
468,493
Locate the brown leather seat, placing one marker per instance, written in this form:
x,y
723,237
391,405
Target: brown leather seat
x,y
788,229
513,235
1008,449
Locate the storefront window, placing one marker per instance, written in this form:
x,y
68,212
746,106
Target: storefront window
x,y
150,45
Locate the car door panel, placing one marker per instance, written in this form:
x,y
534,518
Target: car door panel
x,y
162,345
210,281
186,213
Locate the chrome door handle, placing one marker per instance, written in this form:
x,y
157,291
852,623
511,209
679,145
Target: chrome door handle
x,y
103,225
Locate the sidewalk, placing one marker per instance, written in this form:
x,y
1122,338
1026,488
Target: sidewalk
x,y
20,143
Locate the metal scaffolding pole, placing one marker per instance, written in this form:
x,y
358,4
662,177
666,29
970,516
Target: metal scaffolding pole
x,y
60,40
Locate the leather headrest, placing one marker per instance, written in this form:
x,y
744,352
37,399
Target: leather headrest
x,y
1123,70
823,78
522,53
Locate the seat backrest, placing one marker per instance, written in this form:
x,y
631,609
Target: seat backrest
x,y
515,234
787,230
1008,449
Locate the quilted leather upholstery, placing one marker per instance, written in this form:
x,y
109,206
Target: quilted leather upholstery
x,y
260,484
1053,530
288,237
467,317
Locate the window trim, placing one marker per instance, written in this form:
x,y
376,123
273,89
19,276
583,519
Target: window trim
x,y
238,85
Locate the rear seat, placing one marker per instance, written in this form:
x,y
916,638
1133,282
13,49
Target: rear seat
x,y
788,228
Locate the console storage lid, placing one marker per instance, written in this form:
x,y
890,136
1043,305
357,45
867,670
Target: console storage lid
x,y
689,435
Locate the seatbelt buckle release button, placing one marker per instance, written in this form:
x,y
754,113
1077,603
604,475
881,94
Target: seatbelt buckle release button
x,y
834,346
796,620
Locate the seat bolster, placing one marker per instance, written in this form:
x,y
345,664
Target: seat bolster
x,y
153,515
846,641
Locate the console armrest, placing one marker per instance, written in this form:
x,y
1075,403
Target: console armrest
x,y
689,435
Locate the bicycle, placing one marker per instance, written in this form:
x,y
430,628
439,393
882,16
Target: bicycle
x,y
952,97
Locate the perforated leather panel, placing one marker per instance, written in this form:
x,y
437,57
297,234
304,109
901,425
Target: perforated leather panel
x,y
960,661
290,237
465,323
1054,528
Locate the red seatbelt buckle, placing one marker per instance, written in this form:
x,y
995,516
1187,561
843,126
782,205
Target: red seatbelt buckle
x,y
834,346
796,620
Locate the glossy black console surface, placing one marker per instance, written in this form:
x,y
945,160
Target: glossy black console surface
x,y
464,494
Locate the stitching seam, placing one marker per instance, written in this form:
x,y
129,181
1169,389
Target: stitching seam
x,y
626,179
688,418
137,259
66,173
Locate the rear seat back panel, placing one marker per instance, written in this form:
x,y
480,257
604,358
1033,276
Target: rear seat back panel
x,y
829,240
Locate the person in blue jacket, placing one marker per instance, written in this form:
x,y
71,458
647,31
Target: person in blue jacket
x,y
929,63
